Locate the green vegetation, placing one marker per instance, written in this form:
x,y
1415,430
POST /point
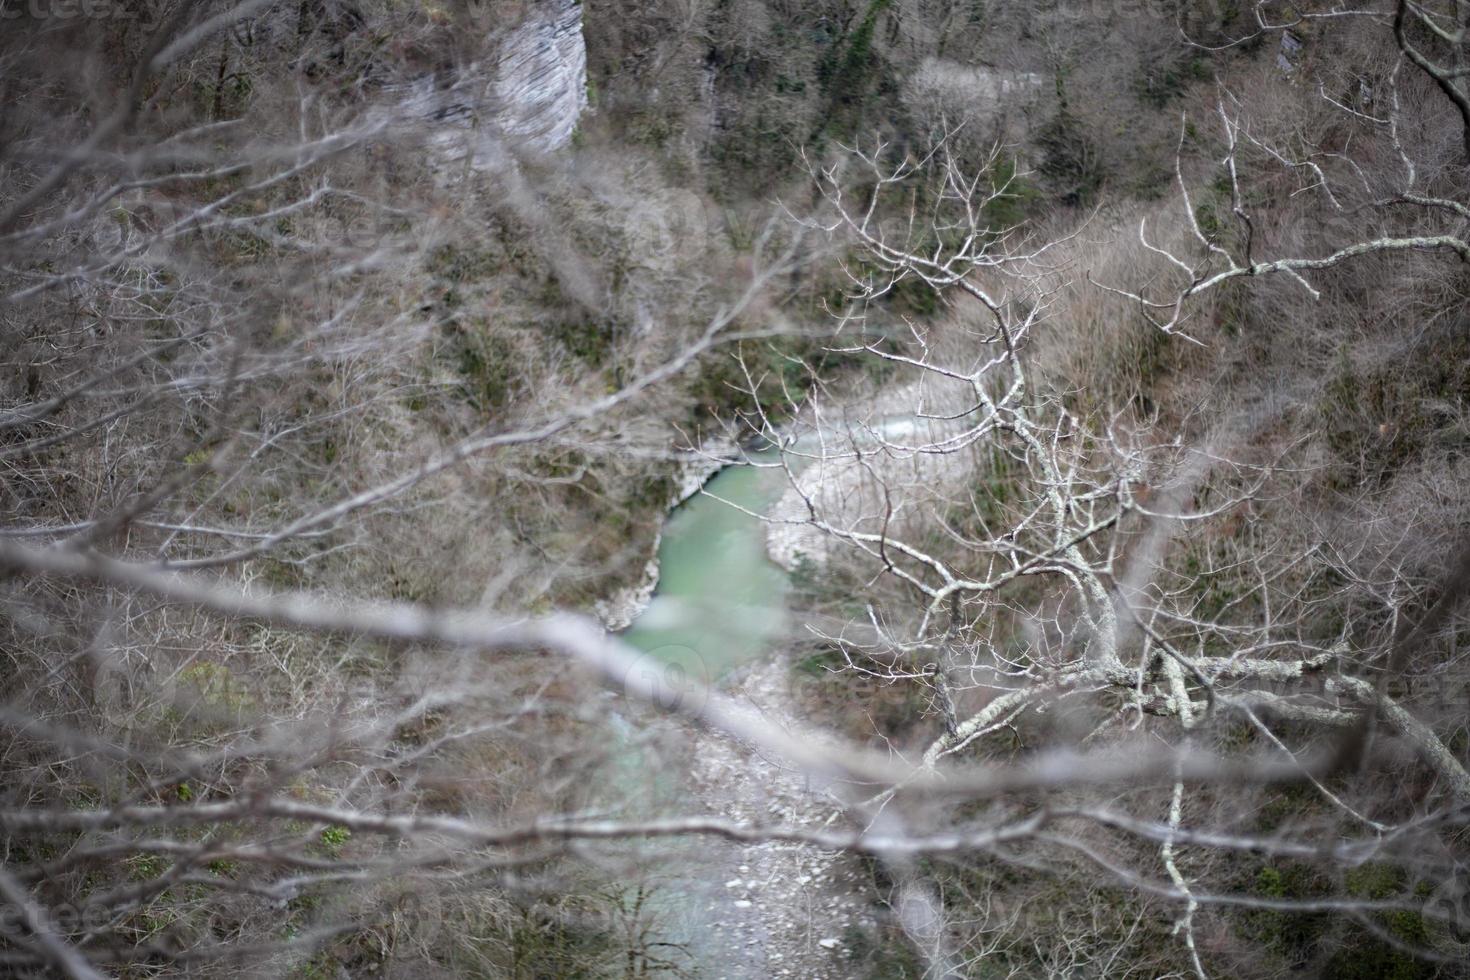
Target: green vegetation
x,y
334,838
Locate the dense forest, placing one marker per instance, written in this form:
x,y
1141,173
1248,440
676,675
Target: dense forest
x,y
735,488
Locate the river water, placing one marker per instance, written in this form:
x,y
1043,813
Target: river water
x,y
720,605
721,602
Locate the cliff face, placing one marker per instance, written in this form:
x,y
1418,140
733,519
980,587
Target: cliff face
x,y
529,93
541,81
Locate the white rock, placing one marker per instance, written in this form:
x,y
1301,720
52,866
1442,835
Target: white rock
x,y
829,943
542,77
532,91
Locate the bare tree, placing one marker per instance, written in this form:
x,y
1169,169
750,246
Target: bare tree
x,y
1432,36
1041,562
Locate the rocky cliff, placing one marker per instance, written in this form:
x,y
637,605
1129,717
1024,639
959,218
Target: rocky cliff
x,y
530,92
541,81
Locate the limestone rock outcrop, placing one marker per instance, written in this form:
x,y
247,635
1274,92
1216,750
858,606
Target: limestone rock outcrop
x,y
541,80
529,92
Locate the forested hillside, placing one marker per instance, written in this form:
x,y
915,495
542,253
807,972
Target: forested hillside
x,y
1080,398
